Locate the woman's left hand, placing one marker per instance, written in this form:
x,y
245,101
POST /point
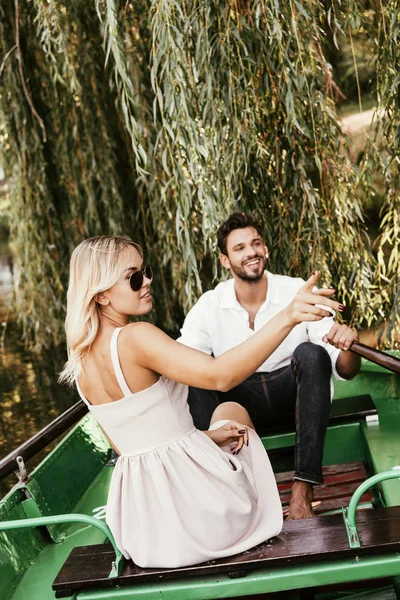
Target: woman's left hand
x,y
341,336
230,433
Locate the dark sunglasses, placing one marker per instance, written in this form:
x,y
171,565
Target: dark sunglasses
x,y
136,279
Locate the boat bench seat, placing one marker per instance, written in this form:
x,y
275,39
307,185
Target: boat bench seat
x,y
352,407
303,541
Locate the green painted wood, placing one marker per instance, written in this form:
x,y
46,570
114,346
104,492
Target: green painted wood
x,y
37,581
73,478
258,582
381,438
83,520
42,438
373,380
17,548
62,478
383,442
343,443
322,539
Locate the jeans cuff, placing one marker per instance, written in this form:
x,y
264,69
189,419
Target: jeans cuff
x,y
300,476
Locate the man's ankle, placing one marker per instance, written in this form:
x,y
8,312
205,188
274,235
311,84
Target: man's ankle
x,y
304,488
301,501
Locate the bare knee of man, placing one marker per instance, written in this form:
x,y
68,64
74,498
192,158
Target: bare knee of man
x,y
231,411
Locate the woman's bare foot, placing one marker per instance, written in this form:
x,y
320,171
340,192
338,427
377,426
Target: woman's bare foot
x,y
301,501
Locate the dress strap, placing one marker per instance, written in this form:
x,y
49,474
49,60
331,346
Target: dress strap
x,y
86,401
116,364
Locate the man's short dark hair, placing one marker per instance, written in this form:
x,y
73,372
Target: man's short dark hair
x,y
237,220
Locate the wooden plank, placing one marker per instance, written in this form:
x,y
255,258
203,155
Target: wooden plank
x,y
321,507
340,502
323,492
355,407
332,480
327,472
307,540
343,468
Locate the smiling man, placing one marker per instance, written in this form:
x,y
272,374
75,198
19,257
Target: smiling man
x,y
293,385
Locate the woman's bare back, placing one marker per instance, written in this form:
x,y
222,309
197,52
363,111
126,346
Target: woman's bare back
x,y
98,382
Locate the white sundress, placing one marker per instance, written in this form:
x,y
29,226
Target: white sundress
x,y
175,497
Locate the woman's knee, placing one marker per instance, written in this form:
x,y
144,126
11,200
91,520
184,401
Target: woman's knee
x,y
232,411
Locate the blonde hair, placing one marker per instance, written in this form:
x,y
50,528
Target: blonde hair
x,y
96,265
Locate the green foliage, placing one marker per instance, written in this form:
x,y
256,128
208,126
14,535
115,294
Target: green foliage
x,y
161,119
387,162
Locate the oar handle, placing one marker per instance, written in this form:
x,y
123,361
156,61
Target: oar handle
x,y
377,356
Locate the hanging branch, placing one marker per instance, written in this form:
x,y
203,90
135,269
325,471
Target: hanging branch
x,y
114,46
387,121
3,63
21,73
216,106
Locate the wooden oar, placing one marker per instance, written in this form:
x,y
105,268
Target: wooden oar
x,y
377,356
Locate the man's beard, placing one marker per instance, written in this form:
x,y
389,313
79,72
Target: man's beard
x,y
253,278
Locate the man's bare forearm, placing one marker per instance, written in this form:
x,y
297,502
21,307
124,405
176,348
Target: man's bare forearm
x,y
348,364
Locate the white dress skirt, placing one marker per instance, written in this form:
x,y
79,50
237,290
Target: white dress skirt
x,y
175,497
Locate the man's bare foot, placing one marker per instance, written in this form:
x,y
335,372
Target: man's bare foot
x,y
301,501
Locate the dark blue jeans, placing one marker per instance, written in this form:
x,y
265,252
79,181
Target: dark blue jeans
x,y
297,395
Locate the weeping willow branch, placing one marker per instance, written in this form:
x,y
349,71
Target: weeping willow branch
x,y
114,46
21,73
388,125
161,119
6,57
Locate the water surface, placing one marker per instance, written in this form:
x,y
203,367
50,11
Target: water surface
x,y
30,396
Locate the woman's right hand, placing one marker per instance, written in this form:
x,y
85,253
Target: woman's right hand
x,y
230,432
304,307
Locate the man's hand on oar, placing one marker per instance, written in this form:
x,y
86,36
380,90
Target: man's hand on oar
x,y
341,336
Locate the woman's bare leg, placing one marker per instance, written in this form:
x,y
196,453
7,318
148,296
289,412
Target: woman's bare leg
x,y
231,411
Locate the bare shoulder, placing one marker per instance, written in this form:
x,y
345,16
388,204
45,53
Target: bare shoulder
x,y
141,333
147,346
133,329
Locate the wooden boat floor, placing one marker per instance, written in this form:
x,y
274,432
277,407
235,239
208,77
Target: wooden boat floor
x,y
340,482
319,539
323,537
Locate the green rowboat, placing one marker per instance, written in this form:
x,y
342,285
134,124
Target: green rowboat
x,y
54,541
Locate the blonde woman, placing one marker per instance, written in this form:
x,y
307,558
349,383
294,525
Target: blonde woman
x,y
178,496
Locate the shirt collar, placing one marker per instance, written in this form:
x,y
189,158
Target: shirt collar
x,y
229,300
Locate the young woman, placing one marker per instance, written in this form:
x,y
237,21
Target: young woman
x,y
178,496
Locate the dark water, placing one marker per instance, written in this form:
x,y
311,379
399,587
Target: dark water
x,y
30,396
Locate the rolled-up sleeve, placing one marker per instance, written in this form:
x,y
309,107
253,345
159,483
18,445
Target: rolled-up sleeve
x,y
194,332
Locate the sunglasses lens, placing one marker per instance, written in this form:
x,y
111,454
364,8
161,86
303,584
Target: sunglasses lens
x,y
148,271
136,281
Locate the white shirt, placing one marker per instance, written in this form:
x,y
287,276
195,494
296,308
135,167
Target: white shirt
x,y
217,323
